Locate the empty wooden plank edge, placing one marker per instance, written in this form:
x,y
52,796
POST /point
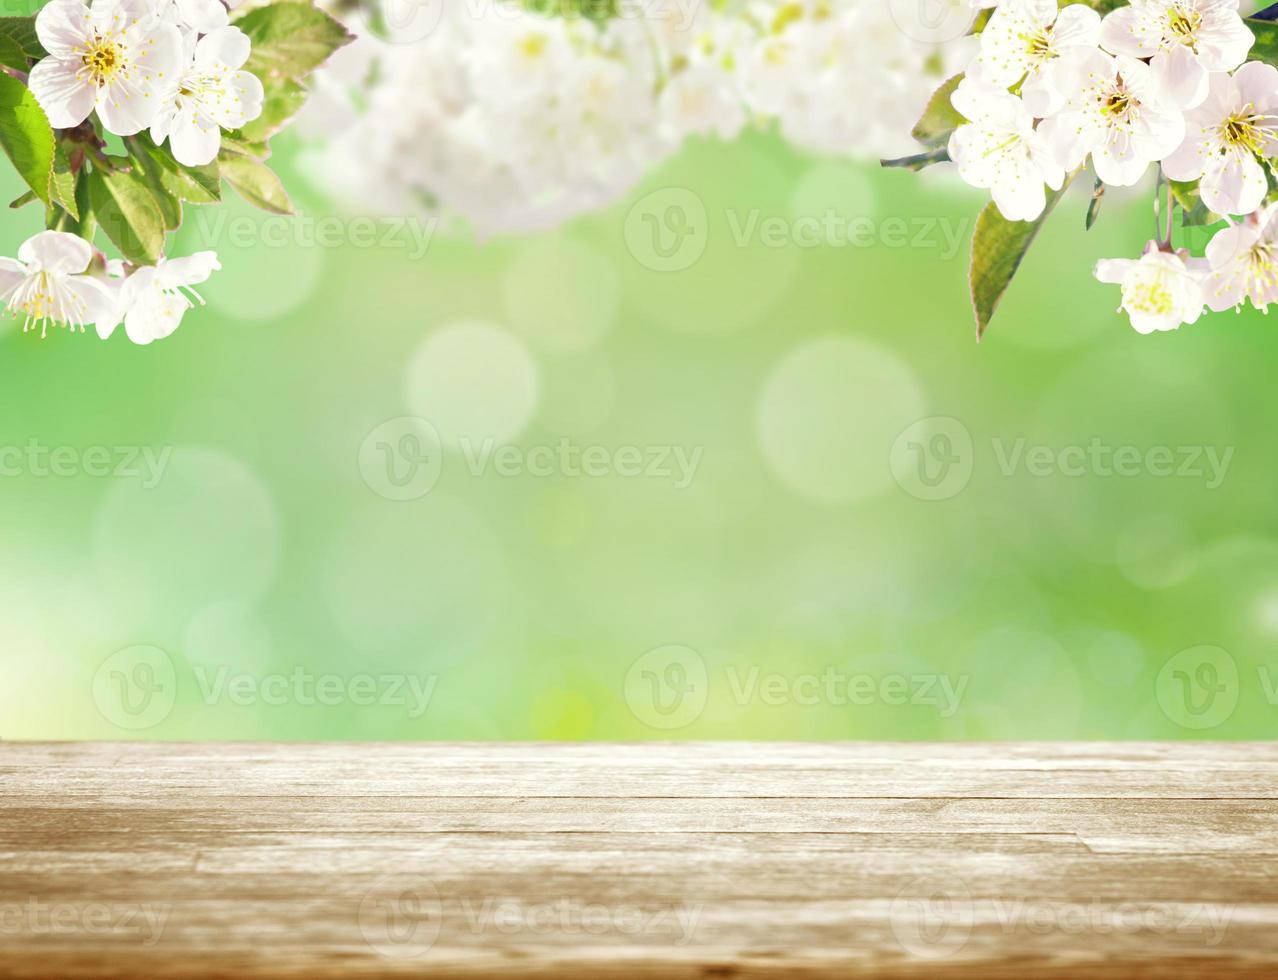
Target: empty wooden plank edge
x,y
665,860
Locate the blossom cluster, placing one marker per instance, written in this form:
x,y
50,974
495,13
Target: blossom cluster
x,y
1163,83
58,278
514,120
170,66
173,67
118,113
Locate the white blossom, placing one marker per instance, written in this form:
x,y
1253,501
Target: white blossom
x,y
1227,138
998,148
1244,263
46,285
1186,40
1161,290
1114,112
115,58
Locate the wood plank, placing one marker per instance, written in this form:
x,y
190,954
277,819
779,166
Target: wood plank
x,y
732,860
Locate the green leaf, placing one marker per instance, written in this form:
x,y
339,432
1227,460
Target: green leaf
x,y
1193,210
1094,206
26,135
242,148
23,200
940,118
603,10
127,212
149,171
22,33
1266,46
998,248
87,226
290,39
62,184
195,185
256,183
12,55
284,99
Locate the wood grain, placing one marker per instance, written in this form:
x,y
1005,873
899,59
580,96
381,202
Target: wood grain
x,y
705,860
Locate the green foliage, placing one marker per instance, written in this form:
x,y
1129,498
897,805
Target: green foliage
x,y
255,182
1193,210
1266,46
998,248
19,34
195,185
940,118
62,183
148,170
284,98
596,10
290,40
127,211
137,199
1094,205
26,136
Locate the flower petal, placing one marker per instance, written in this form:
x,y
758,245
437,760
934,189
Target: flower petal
x,y
65,98
57,252
227,47
62,26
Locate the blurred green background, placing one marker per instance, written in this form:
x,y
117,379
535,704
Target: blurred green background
x,y
807,580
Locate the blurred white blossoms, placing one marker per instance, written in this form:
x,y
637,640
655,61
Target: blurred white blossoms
x,y
515,121
1155,82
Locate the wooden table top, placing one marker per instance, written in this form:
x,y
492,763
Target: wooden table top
x,y
674,860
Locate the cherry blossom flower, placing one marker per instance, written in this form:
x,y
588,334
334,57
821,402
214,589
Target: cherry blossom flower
x,y
114,57
1228,136
1187,40
1244,263
1023,40
1115,112
46,284
999,149
209,95
1161,290
153,300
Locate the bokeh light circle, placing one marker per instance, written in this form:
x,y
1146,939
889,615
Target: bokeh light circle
x,y
829,415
